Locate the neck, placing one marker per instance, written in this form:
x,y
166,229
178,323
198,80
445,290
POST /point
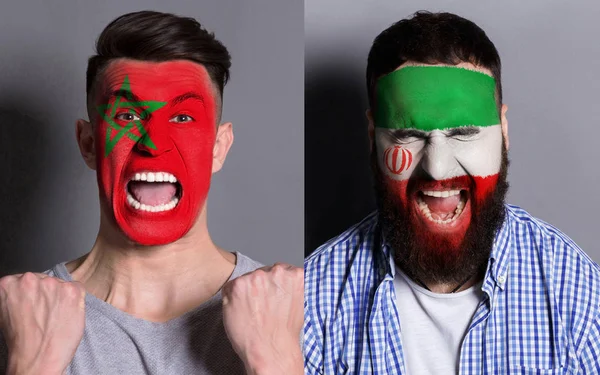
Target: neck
x,y
155,283
445,288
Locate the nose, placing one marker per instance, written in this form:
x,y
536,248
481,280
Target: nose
x,y
438,159
155,139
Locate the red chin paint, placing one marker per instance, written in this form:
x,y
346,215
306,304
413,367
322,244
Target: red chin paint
x,y
445,237
155,119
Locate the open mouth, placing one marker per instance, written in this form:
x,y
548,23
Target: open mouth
x,y
153,191
442,206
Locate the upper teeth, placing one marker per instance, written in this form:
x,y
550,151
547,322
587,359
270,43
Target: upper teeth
x,y
154,177
441,194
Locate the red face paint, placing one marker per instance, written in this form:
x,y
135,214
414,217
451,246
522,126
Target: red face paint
x,y
166,125
444,237
397,159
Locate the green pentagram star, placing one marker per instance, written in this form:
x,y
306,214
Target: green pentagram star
x,y
147,107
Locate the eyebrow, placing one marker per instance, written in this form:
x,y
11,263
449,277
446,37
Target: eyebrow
x,y
408,133
177,100
124,94
463,130
416,133
188,95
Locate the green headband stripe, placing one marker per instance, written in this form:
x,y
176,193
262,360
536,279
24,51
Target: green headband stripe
x,y
435,97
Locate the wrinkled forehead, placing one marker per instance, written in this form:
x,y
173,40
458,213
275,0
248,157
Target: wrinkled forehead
x,y
429,97
155,80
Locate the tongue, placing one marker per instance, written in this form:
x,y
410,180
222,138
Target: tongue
x,y
152,193
442,205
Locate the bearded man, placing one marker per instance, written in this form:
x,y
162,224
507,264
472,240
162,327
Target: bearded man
x,y
444,277
155,295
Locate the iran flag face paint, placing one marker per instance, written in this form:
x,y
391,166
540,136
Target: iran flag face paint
x,y
438,141
155,133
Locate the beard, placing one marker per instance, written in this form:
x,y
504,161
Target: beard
x,y
429,258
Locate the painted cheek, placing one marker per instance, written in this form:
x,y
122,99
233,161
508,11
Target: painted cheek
x,y
195,146
397,163
109,167
481,157
397,159
486,184
484,187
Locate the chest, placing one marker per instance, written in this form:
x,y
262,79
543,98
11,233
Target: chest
x,y
109,347
433,325
498,339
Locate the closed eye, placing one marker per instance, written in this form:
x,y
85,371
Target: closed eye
x,y
463,133
409,135
407,140
180,119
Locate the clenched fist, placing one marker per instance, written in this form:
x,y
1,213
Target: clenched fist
x,y
263,315
42,319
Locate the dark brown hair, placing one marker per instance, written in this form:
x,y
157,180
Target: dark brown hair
x,y
156,36
432,38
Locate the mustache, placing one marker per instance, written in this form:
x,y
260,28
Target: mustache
x,y
428,256
456,183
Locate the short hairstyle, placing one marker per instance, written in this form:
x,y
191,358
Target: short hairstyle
x,y
156,37
432,38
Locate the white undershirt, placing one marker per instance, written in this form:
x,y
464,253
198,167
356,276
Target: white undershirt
x,y
433,325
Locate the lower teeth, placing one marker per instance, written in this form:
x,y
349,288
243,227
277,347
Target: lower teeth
x,y
142,207
427,213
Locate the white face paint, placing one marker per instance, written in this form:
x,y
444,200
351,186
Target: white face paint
x,y
439,154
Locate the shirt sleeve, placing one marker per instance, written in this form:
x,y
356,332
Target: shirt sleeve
x,y
589,360
313,356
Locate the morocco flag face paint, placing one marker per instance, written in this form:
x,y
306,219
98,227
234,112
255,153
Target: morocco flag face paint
x,y
155,133
439,146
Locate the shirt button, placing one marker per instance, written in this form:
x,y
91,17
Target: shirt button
x,y
501,279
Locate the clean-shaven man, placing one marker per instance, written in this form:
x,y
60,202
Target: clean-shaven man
x,y
154,295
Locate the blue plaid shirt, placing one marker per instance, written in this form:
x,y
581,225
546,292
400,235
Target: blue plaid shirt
x,y
540,314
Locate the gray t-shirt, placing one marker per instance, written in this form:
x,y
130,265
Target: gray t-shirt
x,y
115,342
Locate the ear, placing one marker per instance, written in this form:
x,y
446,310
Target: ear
x,y
87,142
223,143
371,128
504,123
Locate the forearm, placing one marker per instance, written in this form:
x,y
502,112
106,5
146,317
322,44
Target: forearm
x,y
288,361
30,365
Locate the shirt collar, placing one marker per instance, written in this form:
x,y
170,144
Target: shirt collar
x,y
497,266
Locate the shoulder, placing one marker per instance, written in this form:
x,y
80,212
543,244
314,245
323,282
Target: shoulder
x,y
338,252
347,258
552,246
245,264
52,272
338,278
569,274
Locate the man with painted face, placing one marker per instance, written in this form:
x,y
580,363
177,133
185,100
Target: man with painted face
x,y
155,295
445,278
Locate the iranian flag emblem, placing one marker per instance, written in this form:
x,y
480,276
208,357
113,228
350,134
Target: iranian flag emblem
x,y
397,159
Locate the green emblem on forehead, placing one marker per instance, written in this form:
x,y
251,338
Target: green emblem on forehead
x,y
125,101
435,97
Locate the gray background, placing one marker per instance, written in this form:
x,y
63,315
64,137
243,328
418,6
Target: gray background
x,y
48,197
551,81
